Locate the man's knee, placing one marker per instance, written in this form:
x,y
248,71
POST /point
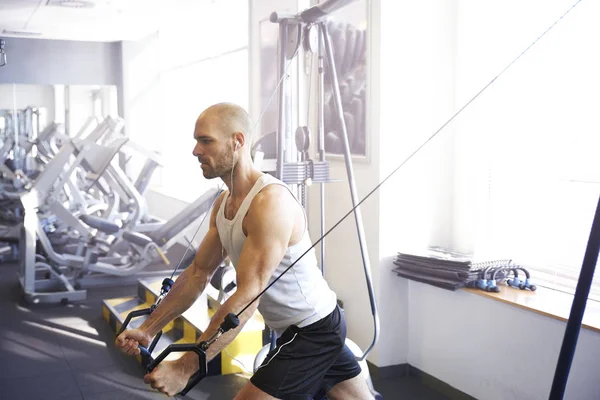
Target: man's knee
x,y
353,388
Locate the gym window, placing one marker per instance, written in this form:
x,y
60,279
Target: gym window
x,y
533,142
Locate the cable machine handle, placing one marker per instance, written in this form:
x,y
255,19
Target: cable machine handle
x,y
196,348
146,353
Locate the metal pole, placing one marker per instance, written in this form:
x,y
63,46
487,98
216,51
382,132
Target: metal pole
x,y
67,100
283,28
582,292
16,132
349,170
321,141
283,25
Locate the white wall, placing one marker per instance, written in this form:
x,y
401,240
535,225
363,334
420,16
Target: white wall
x,y
492,350
412,97
141,95
171,76
143,118
80,106
68,62
144,112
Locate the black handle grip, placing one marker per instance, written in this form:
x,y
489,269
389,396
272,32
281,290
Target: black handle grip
x,y
231,321
133,314
197,377
196,348
167,283
145,353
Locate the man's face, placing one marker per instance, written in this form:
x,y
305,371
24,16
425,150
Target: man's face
x,y
213,150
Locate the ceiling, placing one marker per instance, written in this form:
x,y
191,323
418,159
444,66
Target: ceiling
x,y
90,20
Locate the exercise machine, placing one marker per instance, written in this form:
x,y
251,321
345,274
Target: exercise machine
x,y
309,30
103,249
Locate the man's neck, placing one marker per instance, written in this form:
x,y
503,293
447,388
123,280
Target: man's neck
x,y
245,176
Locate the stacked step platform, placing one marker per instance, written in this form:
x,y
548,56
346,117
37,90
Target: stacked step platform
x,y
238,356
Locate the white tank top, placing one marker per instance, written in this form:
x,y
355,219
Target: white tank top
x,y
301,296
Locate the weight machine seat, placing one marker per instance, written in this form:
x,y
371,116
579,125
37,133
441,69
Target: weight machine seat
x,y
174,226
101,224
137,238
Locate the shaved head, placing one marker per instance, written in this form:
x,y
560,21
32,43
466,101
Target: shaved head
x,y
223,135
227,118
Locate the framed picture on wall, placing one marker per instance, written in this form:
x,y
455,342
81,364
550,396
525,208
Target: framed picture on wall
x,y
347,29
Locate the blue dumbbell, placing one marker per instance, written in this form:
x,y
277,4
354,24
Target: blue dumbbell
x,y
491,287
481,284
515,281
528,285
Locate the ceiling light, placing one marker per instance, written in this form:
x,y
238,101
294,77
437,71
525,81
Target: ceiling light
x,y
20,33
76,4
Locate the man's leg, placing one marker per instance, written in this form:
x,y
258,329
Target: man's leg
x,y
251,392
353,388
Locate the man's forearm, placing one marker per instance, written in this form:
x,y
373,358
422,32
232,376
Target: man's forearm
x,y
186,290
233,305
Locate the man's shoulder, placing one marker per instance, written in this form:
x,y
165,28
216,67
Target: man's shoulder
x,y
273,200
272,195
274,189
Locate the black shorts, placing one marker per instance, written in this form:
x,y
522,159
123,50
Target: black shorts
x,y
307,362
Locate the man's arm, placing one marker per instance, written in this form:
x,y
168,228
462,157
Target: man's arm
x,y
186,290
269,225
188,286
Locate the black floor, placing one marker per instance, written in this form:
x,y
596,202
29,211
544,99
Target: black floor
x,y
65,352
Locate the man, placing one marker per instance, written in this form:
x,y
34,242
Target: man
x,y
262,228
